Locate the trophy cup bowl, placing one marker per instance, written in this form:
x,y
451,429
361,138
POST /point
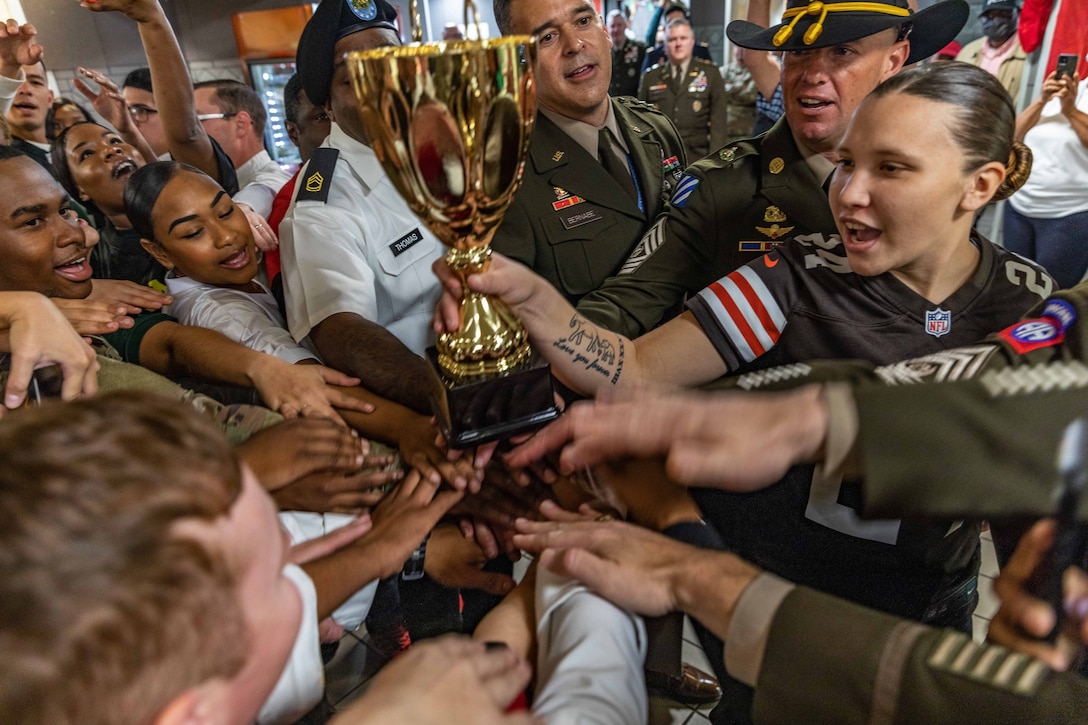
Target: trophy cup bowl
x,y
450,123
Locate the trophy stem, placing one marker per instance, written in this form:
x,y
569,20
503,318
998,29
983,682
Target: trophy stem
x,y
491,339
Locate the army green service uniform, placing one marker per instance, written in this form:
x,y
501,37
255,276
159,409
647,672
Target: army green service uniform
x,y
830,661
695,102
570,221
731,208
626,64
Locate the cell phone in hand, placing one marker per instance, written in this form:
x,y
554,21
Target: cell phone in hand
x,y
1071,536
1067,65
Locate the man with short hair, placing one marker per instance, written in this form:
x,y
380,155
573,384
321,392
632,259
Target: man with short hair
x,y
627,56
664,15
599,169
140,101
752,195
26,117
232,114
998,50
689,91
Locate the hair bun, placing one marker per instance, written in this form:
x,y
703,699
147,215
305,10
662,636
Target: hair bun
x,y
1017,171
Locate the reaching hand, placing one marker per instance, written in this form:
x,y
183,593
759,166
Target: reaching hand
x,y
141,11
1023,620
341,493
263,235
107,100
294,449
449,680
94,317
37,336
420,449
696,432
135,298
17,47
305,391
456,562
404,518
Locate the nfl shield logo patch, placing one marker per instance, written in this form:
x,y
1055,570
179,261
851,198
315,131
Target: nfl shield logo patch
x,y
938,322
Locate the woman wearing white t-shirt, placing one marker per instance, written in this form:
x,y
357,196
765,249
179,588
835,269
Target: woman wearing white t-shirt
x,y
1047,219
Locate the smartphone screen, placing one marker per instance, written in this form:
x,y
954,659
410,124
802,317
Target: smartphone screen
x,y
1067,64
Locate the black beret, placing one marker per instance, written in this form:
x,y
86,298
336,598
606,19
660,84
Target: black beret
x,y
335,19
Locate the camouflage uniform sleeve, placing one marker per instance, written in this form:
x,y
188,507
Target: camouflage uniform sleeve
x,y
677,255
719,110
861,666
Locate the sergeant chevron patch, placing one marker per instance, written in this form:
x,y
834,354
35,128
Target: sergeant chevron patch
x,y
945,366
988,664
649,244
1042,378
770,376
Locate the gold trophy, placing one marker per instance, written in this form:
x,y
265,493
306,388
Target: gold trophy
x,y
450,123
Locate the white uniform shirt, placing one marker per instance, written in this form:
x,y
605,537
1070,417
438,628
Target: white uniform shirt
x,y
253,320
363,252
259,180
1059,169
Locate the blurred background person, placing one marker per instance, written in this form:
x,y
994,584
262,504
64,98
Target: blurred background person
x,y
740,96
1047,220
64,113
998,50
627,57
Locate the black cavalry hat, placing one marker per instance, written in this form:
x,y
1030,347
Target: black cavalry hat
x,y
823,23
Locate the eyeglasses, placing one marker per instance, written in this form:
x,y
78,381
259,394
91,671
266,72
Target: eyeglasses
x,y
213,116
141,113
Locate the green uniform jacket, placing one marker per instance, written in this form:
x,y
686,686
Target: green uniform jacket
x,y
695,103
749,197
830,661
626,63
570,221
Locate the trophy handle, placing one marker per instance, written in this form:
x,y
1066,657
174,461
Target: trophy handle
x,y
414,21
470,8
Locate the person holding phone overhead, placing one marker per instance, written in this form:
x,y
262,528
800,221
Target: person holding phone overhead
x,y
1047,219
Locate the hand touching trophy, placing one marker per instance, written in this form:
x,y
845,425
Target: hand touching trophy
x,y
450,123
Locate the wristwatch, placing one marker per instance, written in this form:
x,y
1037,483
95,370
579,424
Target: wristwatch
x,y
413,568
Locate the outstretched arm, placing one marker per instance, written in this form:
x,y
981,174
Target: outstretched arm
x,y
188,141
587,358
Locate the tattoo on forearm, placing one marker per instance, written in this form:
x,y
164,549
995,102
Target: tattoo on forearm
x,y
586,347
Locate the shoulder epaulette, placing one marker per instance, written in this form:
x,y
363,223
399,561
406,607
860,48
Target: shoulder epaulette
x,y
655,66
632,102
318,179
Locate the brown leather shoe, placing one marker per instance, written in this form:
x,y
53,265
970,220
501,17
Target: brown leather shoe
x,y
692,686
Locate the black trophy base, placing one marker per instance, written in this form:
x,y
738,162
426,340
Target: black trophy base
x,y
484,409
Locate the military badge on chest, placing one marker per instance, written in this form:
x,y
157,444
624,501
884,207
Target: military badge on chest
x,y
564,199
631,54
776,219
938,322
698,84
671,172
